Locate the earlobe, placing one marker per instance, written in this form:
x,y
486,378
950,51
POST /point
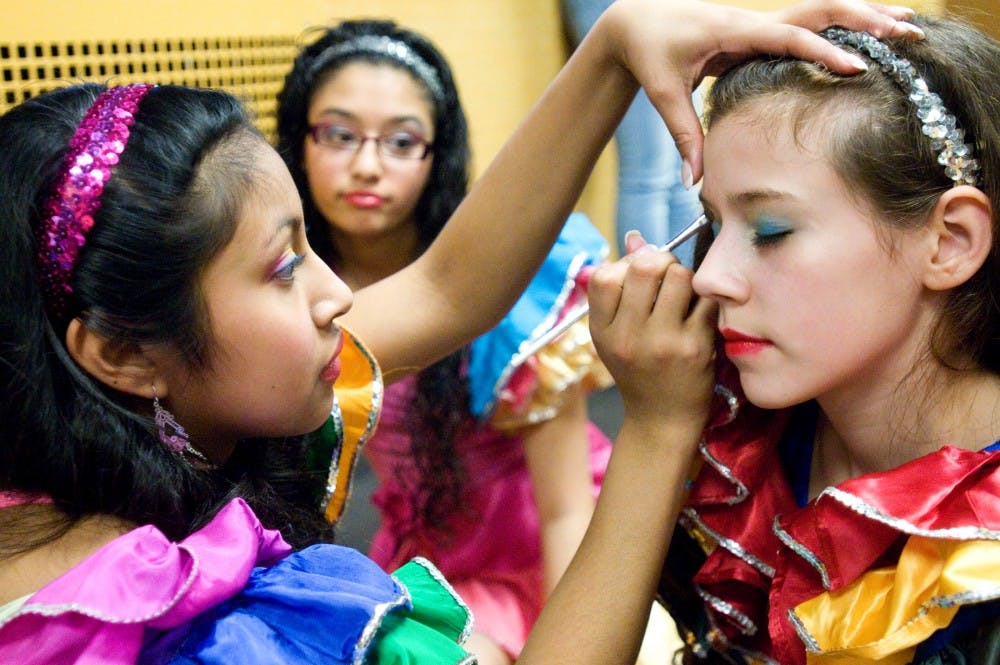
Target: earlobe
x,y
119,365
962,227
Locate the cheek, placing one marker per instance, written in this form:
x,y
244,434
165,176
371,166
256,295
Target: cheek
x,y
320,169
416,182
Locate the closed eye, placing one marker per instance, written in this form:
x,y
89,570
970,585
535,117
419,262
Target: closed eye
x,y
768,231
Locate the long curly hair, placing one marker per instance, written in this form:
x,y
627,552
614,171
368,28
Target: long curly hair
x,y
440,407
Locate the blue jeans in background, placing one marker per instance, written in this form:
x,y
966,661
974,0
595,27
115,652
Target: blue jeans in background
x,y
651,195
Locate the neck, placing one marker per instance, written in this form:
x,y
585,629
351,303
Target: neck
x,y
880,430
47,544
368,258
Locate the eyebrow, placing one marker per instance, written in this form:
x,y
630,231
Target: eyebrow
x,y
750,197
284,227
347,115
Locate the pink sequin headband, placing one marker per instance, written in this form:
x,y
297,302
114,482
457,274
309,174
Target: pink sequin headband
x,y
94,149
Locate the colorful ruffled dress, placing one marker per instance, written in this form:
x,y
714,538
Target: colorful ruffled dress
x,y
491,552
234,592
894,567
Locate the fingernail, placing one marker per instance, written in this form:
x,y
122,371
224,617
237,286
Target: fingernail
x,y
687,178
909,28
631,234
857,62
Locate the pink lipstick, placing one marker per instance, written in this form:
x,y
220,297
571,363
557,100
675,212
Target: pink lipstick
x,y
332,369
363,200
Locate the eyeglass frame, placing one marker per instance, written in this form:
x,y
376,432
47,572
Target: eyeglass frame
x,y
314,130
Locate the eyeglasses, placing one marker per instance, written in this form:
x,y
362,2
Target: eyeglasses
x,y
395,145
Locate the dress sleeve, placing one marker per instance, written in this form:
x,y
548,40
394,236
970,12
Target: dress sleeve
x,y
509,391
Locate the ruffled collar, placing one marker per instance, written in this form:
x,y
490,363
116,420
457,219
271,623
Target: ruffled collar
x,y
100,608
770,555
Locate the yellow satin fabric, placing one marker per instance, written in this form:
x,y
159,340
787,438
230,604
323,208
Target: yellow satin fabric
x,y
359,393
886,613
569,359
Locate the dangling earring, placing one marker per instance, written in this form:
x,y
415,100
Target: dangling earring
x,y
176,442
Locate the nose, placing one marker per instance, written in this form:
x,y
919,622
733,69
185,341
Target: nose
x,y
330,297
719,276
366,164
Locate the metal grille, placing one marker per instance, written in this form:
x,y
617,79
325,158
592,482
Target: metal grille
x,y
252,67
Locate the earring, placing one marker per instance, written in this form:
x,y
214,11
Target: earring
x,y
175,442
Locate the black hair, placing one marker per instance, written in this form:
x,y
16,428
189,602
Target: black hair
x,y
441,400
171,204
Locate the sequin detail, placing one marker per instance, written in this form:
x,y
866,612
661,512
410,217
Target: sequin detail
x,y
94,150
859,506
741,490
387,47
940,126
690,520
802,551
747,626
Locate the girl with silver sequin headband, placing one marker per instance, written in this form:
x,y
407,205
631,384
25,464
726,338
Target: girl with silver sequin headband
x,y
459,481
855,268
379,42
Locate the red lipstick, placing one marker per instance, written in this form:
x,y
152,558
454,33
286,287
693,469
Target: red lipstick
x,y
738,344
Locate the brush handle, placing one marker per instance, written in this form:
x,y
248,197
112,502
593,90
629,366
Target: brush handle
x,y
581,311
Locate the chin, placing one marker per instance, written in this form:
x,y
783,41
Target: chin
x,y
770,399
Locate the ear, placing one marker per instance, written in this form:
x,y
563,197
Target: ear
x,y
961,238
119,365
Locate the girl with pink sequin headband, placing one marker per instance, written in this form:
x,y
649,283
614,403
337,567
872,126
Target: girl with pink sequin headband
x,y
96,145
195,284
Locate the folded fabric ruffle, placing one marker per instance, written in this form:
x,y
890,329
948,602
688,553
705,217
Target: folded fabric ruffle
x,y
357,405
331,604
511,391
99,611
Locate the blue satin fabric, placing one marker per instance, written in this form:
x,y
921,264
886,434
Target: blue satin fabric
x,y
579,244
320,605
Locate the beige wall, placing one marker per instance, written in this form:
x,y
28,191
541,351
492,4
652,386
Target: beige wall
x,y
503,51
983,13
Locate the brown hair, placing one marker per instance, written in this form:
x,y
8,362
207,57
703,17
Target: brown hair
x,y
872,136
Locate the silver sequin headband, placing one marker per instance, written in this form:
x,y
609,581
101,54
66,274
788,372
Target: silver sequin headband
x,y
947,138
388,47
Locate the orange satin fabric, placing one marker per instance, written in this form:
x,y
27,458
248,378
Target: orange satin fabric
x,y
358,392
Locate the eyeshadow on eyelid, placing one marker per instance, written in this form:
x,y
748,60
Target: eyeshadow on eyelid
x,y
769,226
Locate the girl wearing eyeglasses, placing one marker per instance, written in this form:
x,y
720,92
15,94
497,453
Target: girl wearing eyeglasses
x,y
487,466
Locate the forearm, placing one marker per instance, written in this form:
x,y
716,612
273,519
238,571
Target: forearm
x,y
561,537
486,255
598,611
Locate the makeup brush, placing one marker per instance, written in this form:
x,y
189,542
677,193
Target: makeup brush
x,y
581,310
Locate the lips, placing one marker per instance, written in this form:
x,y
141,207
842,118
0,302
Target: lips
x,y
738,344
332,369
363,200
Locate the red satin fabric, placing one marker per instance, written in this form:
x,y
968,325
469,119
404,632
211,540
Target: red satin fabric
x,y
946,489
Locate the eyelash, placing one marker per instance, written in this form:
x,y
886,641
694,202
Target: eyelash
x,y
286,272
761,237
770,238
